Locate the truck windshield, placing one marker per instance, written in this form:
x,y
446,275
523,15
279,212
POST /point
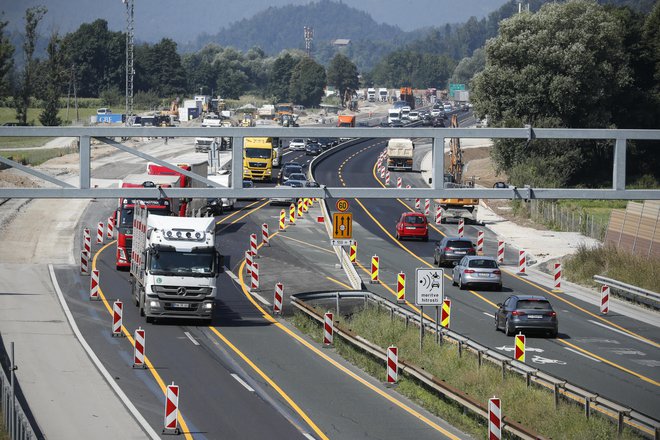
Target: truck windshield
x,y
126,214
170,262
258,153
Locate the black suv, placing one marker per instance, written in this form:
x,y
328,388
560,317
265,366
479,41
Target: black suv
x,y
526,312
450,250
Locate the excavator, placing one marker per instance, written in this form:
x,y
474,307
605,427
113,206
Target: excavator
x,y
457,208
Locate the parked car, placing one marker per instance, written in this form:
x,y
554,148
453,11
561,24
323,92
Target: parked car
x,y
480,271
526,312
297,144
412,225
500,185
450,250
313,149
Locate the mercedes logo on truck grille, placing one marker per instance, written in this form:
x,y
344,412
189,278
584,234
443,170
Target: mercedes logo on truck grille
x,y
181,291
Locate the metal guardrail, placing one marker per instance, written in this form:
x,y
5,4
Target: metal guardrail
x,y
621,414
15,419
633,293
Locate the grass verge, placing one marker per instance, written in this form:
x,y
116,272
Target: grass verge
x,y
532,407
37,157
608,261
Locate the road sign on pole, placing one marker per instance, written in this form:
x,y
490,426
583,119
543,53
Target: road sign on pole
x,y
429,287
342,225
342,205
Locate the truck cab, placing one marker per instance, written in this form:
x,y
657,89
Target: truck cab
x,y
258,154
346,121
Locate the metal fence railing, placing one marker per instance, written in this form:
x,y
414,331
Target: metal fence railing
x,y
567,220
620,414
14,417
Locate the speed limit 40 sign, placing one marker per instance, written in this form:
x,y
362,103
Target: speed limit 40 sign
x,y
342,205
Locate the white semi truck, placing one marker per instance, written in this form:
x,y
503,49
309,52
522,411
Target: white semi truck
x,y
400,154
382,94
174,266
371,94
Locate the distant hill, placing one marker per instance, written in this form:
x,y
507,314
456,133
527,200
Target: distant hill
x,y
279,28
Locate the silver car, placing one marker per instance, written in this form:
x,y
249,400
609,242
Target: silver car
x,y
475,270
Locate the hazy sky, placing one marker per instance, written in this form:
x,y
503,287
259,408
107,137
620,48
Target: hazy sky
x,y
183,20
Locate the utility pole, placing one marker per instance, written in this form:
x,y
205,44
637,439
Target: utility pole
x,y
130,70
309,36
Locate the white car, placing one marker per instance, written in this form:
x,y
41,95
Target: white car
x,y
413,116
448,107
436,111
297,144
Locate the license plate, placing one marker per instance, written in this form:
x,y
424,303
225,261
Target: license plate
x,y
180,305
535,316
460,252
484,275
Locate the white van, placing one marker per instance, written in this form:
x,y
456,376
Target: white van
x,y
103,111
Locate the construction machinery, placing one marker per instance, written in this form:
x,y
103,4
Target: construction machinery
x,y
457,208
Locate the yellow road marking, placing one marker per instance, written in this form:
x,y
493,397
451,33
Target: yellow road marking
x,y
222,220
129,337
600,318
644,378
307,244
344,285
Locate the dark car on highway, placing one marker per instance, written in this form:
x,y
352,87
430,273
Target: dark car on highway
x,y
450,250
313,149
526,312
289,168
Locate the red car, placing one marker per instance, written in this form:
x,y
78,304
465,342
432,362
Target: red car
x,y
412,225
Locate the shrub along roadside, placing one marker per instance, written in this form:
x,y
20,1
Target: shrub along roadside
x,y
532,407
608,261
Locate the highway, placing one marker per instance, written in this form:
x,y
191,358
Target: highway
x,y
615,356
247,375
251,375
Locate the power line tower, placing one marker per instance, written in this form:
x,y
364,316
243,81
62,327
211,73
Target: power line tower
x,y
130,70
309,36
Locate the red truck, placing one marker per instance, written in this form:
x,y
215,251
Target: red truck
x,y
124,214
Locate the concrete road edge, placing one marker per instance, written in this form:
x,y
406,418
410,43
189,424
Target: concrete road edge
x,y
97,362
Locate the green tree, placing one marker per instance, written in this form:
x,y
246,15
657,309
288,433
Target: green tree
x,y
97,56
280,77
307,83
48,116
32,18
6,60
560,67
468,67
159,69
343,74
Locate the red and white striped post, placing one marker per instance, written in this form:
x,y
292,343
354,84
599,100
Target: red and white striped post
x,y
111,228
500,251
399,182
171,410
480,242
494,419
427,207
557,277
265,236
277,299
94,286
138,352
328,329
417,203
253,245
461,227
99,233
117,313
248,262
87,240
605,299
282,218
254,279
392,365
84,262
387,178
382,172
522,261
438,215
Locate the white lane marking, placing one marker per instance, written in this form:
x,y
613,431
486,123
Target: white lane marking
x,y
511,348
619,331
490,315
237,281
541,360
242,382
581,354
191,338
309,436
